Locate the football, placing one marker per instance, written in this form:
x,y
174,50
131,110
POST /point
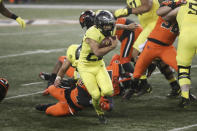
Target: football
x,y
105,42
3,88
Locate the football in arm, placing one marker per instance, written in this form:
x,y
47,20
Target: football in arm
x,y
105,42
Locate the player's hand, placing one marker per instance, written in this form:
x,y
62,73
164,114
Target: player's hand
x,y
132,26
114,41
122,12
21,22
57,82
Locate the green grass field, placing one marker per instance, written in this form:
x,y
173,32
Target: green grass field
x,y
22,58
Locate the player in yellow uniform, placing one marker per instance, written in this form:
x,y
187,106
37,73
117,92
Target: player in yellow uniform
x,y
187,46
4,11
91,66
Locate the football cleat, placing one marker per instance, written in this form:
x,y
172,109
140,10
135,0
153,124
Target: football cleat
x,y
128,94
184,102
175,92
43,107
144,88
102,119
44,76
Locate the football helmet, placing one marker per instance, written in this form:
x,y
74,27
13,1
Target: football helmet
x,y
3,88
86,19
105,22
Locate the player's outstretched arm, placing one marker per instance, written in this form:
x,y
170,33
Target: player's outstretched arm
x,y
146,6
61,72
131,26
4,11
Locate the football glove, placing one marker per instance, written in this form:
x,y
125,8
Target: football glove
x,y
21,22
122,12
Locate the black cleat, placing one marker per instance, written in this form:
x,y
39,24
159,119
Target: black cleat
x,y
44,76
102,119
184,102
144,88
174,93
42,107
128,94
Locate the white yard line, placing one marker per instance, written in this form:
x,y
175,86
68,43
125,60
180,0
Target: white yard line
x,y
32,52
23,95
66,6
183,128
35,83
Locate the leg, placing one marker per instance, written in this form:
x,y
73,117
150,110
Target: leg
x,y
185,53
92,87
169,59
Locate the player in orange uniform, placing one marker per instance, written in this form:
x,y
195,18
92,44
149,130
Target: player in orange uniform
x,y
158,45
71,99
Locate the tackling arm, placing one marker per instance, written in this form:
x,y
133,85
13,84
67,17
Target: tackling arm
x,y
61,72
131,26
171,16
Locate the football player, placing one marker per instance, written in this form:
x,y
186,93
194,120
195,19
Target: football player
x,y
86,20
4,11
91,66
71,98
186,18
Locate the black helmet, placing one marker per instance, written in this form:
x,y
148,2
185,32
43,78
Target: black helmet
x,y
3,88
86,18
105,19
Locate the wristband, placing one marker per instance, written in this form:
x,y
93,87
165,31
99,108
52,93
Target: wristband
x,y
14,16
129,10
58,78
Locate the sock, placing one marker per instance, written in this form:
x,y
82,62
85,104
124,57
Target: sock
x,y
185,94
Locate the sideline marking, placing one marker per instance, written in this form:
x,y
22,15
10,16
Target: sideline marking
x,y
182,128
33,52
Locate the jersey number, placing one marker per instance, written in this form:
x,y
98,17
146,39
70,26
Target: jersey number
x,y
168,25
90,55
133,4
192,6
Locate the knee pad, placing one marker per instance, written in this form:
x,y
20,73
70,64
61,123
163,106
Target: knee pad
x,y
184,72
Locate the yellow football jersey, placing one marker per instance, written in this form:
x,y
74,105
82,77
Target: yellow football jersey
x,y
86,54
187,15
147,17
